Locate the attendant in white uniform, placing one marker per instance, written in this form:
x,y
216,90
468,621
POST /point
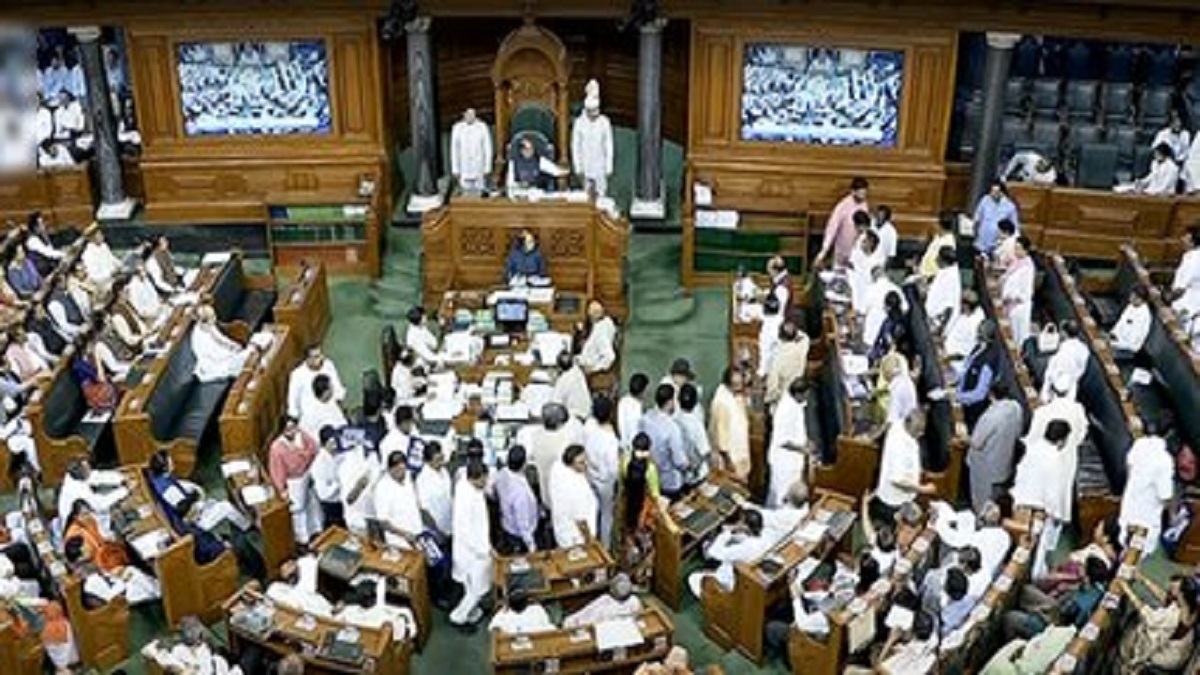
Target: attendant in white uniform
x,y
618,603
1068,365
420,339
788,454
944,297
1016,290
218,356
520,617
571,387
472,545
1149,488
1185,286
573,504
602,449
396,506
434,491
470,152
599,349
301,380
1133,327
592,143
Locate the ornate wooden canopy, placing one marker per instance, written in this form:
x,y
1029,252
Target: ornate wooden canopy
x,y
531,71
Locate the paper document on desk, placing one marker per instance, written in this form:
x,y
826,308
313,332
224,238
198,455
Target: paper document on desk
x,y
618,633
812,532
861,630
215,259
235,467
97,416
541,296
149,545
717,220
253,495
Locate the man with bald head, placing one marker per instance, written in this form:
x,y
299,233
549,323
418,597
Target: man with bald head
x,y
599,349
619,603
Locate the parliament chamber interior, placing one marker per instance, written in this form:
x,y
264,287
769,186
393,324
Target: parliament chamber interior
x,y
600,336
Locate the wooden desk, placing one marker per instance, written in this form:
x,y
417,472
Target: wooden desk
x,y
569,575
680,530
735,618
272,517
1096,223
466,245
404,570
1079,655
810,655
303,305
19,654
289,635
250,417
576,651
63,195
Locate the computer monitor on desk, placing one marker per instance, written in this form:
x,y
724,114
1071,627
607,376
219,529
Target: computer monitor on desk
x,y
512,314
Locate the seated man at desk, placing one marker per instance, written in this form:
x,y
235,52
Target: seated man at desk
x,y
619,603
525,259
520,617
192,653
599,349
366,607
743,541
527,169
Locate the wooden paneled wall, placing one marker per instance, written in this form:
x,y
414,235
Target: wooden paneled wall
x,y
231,178
466,49
790,177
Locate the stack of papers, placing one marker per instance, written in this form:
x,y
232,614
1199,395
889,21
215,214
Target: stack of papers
x,y
254,495
150,544
235,467
618,633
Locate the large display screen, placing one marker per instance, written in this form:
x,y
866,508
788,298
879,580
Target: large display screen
x,y
823,96
254,88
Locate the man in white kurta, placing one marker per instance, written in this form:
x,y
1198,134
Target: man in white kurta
x,y
944,297
1149,487
1186,282
421,340
1067,366
434,492
599,352
573,505
592,143
218,357
1163,176
357,473
471,548
1016,291
1045,479
571,388
875,307
99,261
301,380
470,152
1132,328
603,451
618,603
962,333
867,256
787,456
520,617
396,505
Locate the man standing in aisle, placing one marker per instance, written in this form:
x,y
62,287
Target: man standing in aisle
x,y
840,233
472,546
470,152
592,142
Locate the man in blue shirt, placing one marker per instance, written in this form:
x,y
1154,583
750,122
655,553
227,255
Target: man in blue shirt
x,y
525,259
993,207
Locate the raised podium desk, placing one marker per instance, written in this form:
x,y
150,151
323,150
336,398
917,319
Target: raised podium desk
x,y
466,244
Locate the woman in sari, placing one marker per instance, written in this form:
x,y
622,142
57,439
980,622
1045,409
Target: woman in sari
x,y
639,500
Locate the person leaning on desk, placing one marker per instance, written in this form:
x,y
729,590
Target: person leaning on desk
x,y
525,258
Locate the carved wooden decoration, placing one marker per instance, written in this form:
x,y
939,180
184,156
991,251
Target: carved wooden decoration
x,y
531,68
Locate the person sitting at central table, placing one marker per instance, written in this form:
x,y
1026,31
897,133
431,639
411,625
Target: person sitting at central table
x,y
525,259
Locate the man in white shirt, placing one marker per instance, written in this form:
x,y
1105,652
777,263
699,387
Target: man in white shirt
x,y
81,482
1132,328
1149,488
520,617
1185,286
470,152
737,543
592,143
902,399
603,453
962,333
1045,480
420,339
324,475
192,654
144,298
400,437
319,409
471,548
886,231
1163,176
218,356
630,409
396,506
1030,167
900,468
434,491
357,473
599,350
98,259
571,387
618,603
547,442
768,334
875,307
367,607
944,296
1175,137
787,456
866,257
1068,365
301,380
573,505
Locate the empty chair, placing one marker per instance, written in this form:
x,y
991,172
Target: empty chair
x,y
1118,63
1155,107
1125,138
1027,58
1082,61
1142,156
1046,95
1097,165
972,116
1081,99
1016,96
1013,130
1079,135
1047,132
1118,102
1162,67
